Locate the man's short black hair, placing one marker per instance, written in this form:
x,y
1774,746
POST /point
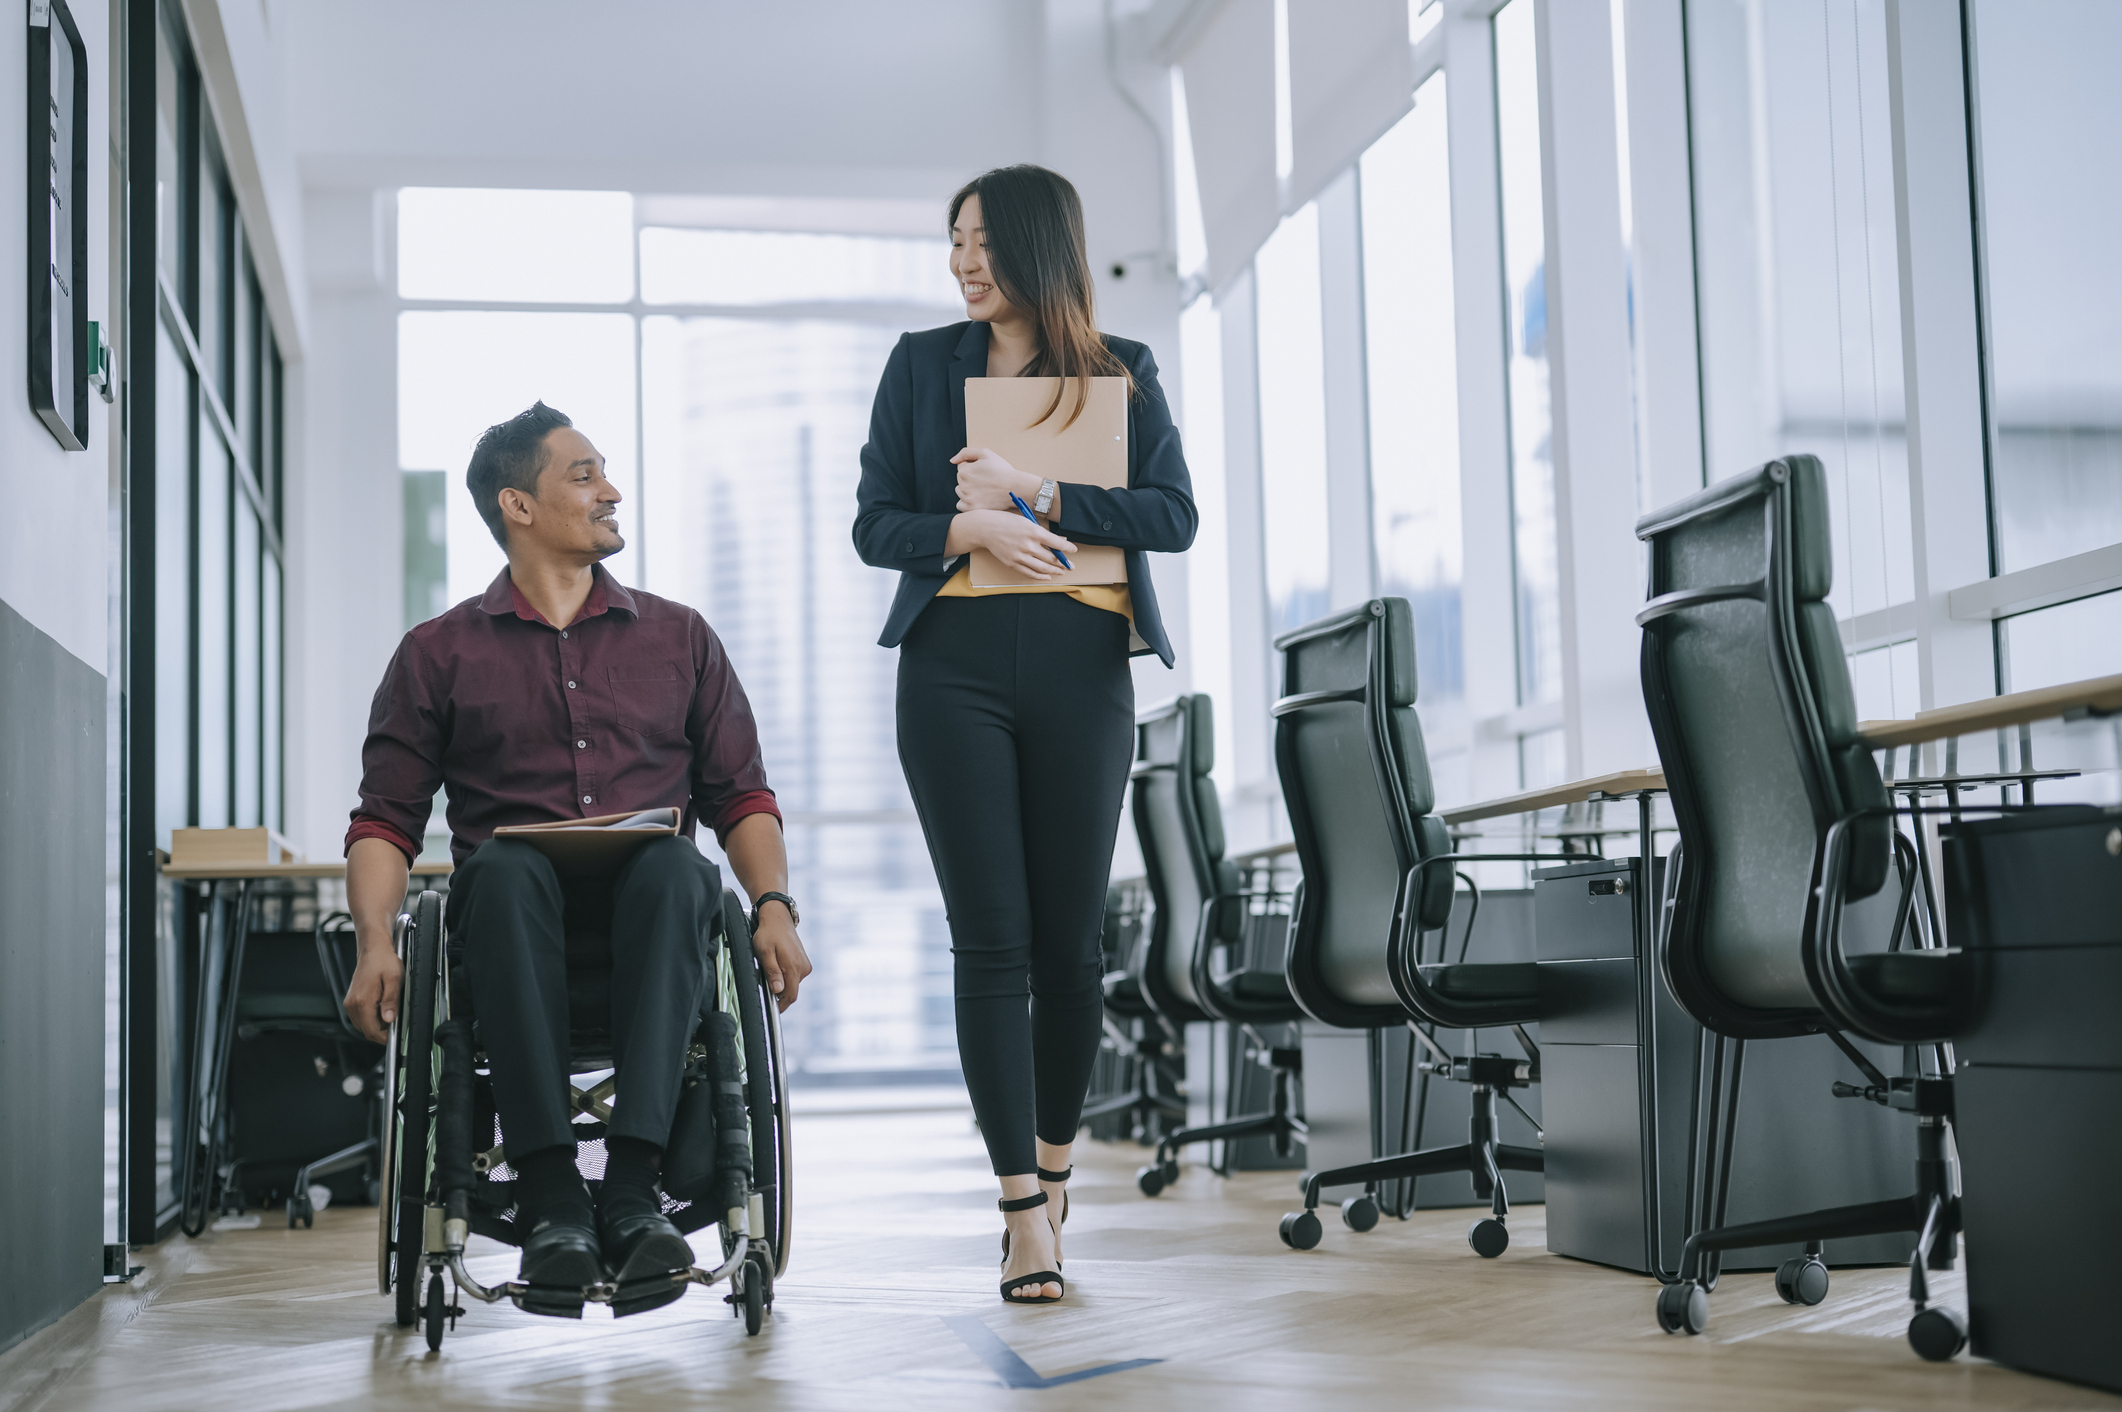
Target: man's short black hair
x,y
510,453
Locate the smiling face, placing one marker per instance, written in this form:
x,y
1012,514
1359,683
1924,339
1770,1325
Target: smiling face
x,y
575,511
984,300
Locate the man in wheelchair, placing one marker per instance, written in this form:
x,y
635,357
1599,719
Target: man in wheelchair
x,y
559,694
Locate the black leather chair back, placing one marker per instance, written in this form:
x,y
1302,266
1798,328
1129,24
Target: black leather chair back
x,y
1179,823
1355,779
1774,791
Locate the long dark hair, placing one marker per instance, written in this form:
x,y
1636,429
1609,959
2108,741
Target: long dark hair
x,y
1034,224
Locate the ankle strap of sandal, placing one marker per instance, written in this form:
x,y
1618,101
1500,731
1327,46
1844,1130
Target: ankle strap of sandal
x,y
1022,1203
1046,1176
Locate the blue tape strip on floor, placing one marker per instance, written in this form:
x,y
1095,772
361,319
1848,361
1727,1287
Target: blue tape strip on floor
x,y
1012,1369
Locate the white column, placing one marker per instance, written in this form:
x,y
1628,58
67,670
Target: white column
x,y
1352,563
1594,425
1487,616
1661,190
1255,819
1940,346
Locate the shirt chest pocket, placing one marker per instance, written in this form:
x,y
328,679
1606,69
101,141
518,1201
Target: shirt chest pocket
x,y
651,699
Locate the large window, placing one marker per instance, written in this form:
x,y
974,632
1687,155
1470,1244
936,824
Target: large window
x,y
731,397
1292,421
1799,281
1412,363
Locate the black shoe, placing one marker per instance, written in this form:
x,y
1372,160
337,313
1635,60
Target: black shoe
x,y
647,1254
560,1260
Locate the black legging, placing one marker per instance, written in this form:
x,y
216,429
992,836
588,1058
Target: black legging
x,y
1016,730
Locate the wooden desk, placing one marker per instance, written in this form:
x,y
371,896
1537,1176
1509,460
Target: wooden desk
x,y
2100,696
266,872
1619,785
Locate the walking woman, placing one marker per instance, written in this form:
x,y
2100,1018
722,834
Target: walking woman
x,y
1016,707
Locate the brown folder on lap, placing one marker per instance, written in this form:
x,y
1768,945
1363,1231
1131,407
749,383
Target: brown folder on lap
x,y
596,845
1000,414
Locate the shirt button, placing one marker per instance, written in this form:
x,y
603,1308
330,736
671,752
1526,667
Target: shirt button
x,y
563,632
1107,525
581,745
585,799
570,686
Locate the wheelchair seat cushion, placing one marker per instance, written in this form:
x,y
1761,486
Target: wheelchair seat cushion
x,y
1913,977
1487,981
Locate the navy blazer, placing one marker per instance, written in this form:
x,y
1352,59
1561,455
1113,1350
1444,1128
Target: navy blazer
x,y
909,490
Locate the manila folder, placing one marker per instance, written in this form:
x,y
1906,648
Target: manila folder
x,y
1003,415
585,847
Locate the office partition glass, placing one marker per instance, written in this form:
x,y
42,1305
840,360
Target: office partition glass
x,y
1532,469
1292,371
1797,271
1412,365
2070,642
2048,116
211,647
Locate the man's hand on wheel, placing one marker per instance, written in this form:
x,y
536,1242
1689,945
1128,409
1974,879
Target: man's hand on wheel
x,y
372,996
781,953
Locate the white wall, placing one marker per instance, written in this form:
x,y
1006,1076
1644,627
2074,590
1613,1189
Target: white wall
x,y
344,515
53,568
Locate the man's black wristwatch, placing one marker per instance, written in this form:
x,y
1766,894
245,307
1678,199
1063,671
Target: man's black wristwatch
x,y
795,918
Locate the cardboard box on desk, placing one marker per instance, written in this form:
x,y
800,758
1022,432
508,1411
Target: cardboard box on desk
x,y
203,848
580,847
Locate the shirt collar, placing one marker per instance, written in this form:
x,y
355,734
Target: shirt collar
x,y
605,593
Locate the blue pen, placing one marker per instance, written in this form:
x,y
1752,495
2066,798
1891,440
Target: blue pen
x,y
1026,511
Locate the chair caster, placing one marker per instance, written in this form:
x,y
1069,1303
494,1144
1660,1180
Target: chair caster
x,y
1937,1335
1149,1180
1301,1230
1489,1237
1683,1308
300,1212
438,1313
1802,1279
1359,1213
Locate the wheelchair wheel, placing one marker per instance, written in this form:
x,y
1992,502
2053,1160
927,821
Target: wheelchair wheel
x,y
414,1119
765,1080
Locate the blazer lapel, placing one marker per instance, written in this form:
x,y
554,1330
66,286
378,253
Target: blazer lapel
x,y
968,360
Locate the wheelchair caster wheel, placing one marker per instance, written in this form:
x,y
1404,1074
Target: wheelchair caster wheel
x,y
1171,1170
1801,1280
1359,1213
1683,1308
1937,1335
1489,1237
1149,1180
1301,1230
436,1312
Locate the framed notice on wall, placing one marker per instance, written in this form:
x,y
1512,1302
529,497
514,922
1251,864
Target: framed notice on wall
x,y
58,223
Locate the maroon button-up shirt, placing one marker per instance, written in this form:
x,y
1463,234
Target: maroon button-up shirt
x,y
633,706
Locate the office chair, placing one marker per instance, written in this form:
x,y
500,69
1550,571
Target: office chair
x,y
1378,877
1783,823
1199,923
1145,1101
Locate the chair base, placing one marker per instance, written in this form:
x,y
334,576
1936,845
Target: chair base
x,y
1480,1157
1932,1214
1279,1125
1149,1111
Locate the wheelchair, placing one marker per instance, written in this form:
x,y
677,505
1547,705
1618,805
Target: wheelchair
x,y
445,1158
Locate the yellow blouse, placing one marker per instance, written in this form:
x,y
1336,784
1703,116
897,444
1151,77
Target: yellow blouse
x,y
1112,597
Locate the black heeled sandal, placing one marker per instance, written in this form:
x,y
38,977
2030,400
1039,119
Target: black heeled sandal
x,y
1037,1277
1046,1176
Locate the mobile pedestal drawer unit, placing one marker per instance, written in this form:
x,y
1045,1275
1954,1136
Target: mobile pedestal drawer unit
x,y
1602,1114
2036,899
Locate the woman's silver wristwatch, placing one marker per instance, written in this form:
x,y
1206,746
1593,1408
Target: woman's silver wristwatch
x,y
1045,501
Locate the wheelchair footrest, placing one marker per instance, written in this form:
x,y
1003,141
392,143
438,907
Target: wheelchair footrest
x,y
640,1296
553,1301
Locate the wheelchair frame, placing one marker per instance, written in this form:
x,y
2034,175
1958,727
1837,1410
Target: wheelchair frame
x,y
427,1227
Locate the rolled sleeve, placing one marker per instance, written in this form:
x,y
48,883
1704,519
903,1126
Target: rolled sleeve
x,y
728,774
401,758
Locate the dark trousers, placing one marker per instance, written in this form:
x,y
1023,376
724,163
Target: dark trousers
x,y
520,925
1016,731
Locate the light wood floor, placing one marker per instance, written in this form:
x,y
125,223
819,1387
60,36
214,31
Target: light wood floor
x,y
896,1232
